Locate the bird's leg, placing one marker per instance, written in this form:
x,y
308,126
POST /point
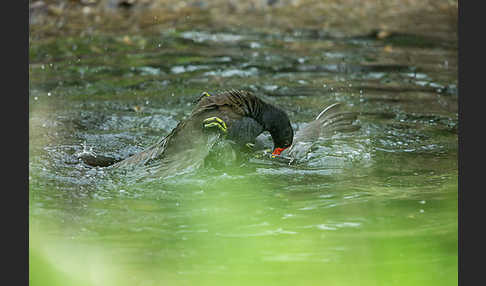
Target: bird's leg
x,y
247,148
250,145
204,94
217,122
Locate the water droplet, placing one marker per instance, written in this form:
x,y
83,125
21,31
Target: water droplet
x,y
254,45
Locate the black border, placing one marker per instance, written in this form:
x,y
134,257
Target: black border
x,y
471,144
15,140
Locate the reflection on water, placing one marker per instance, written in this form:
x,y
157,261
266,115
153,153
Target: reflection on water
x,y
373,207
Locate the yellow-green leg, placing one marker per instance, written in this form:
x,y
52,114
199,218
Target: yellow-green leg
x,y
250,146
204,94
217,122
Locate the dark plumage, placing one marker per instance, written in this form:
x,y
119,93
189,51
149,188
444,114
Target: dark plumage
x,y
245,117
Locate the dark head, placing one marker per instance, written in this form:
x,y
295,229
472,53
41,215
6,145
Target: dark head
x,y
277,123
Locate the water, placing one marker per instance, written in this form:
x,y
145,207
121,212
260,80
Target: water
x,y
373,207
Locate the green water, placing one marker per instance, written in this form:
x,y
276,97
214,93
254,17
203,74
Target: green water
x,y
373,207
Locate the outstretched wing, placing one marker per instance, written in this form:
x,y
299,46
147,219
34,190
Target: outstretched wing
x,y
330,121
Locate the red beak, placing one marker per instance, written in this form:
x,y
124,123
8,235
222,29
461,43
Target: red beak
x,y
277,151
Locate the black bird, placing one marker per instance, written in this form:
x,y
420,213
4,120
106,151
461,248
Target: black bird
x,y
236,115
331,120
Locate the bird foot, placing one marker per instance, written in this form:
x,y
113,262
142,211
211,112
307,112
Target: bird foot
x,y
204,94
217,122
250,146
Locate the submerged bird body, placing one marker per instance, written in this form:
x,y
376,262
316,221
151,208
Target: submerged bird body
x,y
238,116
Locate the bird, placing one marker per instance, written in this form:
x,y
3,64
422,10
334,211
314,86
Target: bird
x,y
330,121
235,115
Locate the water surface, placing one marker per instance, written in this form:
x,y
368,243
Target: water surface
x,y
373,207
